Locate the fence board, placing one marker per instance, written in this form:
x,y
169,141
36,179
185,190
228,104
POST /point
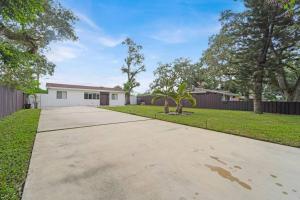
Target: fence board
x,y
214,101
11,100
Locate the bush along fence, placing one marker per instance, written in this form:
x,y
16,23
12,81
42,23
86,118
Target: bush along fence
x,y
214,101
11,100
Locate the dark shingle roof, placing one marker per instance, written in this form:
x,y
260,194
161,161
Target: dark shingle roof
x,y
58,85
202,90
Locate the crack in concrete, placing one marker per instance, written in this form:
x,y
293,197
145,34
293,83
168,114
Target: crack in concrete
x,y
86,126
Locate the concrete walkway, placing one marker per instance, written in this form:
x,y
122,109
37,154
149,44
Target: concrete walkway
x,y
116,156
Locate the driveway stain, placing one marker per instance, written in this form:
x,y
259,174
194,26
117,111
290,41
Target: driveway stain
x,y
217,159
284,193
73,178
227,175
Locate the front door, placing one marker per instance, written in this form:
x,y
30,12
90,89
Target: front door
x,y
104,98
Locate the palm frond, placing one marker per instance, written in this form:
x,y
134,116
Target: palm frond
x,y
173,95
191,99
158,92
154,99
181,88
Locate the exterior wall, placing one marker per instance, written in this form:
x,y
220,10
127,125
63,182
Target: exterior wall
x,y
120,101
74,98
38,100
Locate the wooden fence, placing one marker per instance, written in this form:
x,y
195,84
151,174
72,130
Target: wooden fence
x,y
11,100
214,101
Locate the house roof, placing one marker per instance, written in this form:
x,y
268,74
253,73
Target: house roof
x,y
58,85
203,91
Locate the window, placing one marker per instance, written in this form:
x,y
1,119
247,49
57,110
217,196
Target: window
x,y
61,94
114,96
91,95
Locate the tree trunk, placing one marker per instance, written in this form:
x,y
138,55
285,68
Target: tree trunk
x,y
297,91
259,73
283,85
247,96
179,108
258,87
127,98
35,104
291,93
166,106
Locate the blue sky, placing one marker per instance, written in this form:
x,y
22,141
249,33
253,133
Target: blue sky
x,y
167,29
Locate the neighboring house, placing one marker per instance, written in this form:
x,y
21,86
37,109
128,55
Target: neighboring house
x,y
79,95
226,95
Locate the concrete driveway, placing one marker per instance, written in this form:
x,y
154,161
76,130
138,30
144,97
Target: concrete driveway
x,y
84,153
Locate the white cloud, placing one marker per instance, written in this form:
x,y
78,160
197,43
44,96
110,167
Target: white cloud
x,y
109,41
97,34
64,51
176,35
88,21
168,36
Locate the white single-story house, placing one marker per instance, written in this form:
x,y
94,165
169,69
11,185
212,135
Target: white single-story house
x,y
60,95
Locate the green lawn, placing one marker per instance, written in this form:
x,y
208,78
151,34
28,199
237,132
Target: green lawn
x,y
17,133
282,129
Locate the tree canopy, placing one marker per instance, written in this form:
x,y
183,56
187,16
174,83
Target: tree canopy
x,y
26,29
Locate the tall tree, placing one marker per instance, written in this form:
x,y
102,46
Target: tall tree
x,y
253,29
134,64
163,84
190,73
251,35
183,68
